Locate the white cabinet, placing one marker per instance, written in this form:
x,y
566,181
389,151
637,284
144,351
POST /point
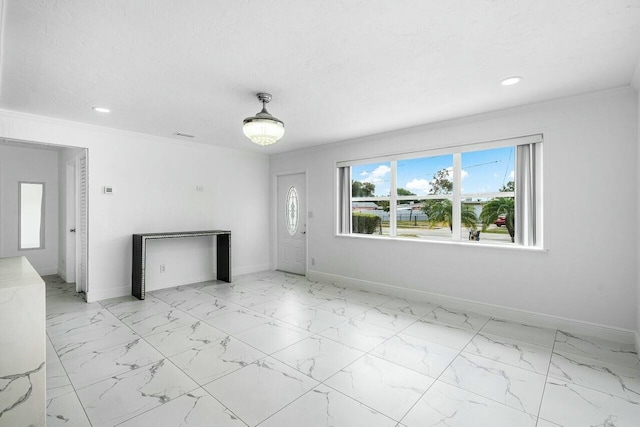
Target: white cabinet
x,y
22,344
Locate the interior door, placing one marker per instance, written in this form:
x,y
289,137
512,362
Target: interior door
x,y
292,223
70,224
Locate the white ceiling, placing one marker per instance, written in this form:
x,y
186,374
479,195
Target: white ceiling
x,y
336,69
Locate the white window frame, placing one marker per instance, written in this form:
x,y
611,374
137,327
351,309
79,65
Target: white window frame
x,y
528,213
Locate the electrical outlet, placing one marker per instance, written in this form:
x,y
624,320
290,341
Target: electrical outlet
x,y
313,261
199,188
163,268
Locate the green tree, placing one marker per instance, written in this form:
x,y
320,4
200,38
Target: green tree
x,y
499,206
441,184
362,189
384,204
508,187
404,192
439,211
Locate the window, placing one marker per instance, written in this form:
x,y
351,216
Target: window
x,y
488,192
31,215
292,211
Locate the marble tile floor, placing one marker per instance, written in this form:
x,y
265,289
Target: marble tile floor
x,y
275,349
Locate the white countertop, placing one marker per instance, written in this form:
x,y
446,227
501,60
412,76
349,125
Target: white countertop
x,y
17,272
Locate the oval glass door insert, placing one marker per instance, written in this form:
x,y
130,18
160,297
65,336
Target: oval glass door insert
x,y
292,211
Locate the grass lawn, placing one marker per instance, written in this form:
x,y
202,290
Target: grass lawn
x,y
497,230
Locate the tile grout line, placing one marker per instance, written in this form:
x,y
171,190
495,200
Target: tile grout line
x,y
143,366
546,378
282,299
349,364
442,372
75,391
267,355
177,367
323,382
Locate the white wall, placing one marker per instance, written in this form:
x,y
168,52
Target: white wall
x,y
590,191
636,85
39,166
154,181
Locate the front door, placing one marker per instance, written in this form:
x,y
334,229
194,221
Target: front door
x,y
292,223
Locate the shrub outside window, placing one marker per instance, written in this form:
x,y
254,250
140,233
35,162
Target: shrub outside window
x,y
488,192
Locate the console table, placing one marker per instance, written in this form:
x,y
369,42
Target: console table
x,y
223,255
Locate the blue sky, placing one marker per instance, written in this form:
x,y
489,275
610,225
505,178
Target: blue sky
x,y
482,171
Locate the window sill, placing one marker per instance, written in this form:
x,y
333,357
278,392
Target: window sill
x,y
480,244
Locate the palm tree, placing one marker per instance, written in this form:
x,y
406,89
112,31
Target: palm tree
x,y
439,211
500,206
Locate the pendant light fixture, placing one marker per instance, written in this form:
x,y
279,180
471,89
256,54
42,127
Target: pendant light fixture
x,y
263,128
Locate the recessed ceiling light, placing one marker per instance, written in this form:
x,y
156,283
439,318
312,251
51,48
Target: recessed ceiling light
x,y
510,81
101,109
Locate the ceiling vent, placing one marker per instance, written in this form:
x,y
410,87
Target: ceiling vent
x,y
186,135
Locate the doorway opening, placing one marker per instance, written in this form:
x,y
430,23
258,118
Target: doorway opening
x,y
62,253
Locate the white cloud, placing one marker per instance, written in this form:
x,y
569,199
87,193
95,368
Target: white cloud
x,y
378,174
512,175
450,173
419,186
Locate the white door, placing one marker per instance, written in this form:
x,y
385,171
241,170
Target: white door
x,y
292,223
70,224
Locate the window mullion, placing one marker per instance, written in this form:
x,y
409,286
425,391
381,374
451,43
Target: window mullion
x,y
393,200
456,206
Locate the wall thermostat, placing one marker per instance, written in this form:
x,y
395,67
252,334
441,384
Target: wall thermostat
x,y
108,190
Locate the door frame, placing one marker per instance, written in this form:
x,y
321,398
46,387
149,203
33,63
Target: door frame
x,y
274,216
59,147
79,244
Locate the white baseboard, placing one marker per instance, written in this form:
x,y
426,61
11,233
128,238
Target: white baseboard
x,y
504,313
239,271
48,271
62,275
179,281
100,294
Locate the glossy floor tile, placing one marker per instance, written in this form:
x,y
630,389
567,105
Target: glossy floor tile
x,y
571,405
66,410
524,355
323,407
208,363
446,405
124,396
274,350
514,387
390,388
194,409
318,357
260,389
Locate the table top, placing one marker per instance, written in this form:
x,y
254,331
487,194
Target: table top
x,y
183,233
18,272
